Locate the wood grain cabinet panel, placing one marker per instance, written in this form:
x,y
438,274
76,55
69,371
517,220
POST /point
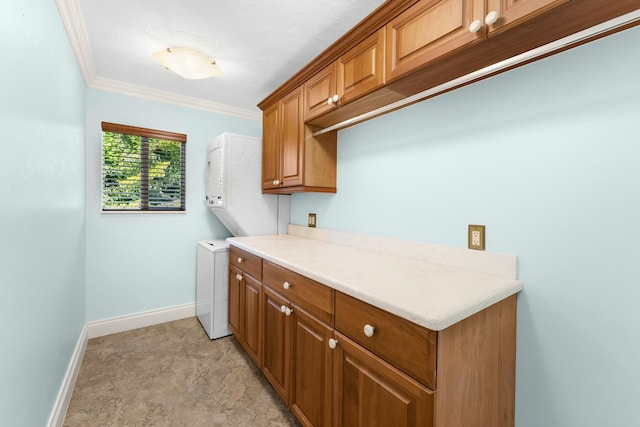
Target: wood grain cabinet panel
x,y
292,140
245,261
297,360
252,319
371,393
271,147
235,302
318,91
407,346
361,69
312,296
277,345
312,370
429,30
245,301
293,160
510,13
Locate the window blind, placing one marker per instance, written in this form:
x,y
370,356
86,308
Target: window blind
x,y
142,169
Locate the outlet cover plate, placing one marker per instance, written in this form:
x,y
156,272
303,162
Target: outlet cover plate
x,y
312,220
476,237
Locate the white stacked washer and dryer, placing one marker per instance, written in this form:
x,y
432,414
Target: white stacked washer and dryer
x,y
234,195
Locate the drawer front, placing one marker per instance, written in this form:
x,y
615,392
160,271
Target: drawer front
x,y
245,261
407,346
311,296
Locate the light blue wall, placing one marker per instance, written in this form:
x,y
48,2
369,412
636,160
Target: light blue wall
x,y
42,221
547,157
140,262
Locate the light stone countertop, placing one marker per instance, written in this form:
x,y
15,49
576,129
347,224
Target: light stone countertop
x,y
429,294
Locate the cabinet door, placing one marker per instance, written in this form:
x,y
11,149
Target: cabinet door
x,y
235,302
361,69
277,345
428,30
270,146
371,393
252,318
312,386
292,142
512,12
318,91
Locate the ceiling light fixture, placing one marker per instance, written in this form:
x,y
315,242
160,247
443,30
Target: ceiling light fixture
x,y
188,63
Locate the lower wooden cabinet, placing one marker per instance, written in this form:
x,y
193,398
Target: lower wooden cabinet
x,y
277,344
252,318
337,361
245,312
371,393
235,302
297,361
312,368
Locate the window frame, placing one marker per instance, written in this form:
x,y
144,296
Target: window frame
x,y
145,134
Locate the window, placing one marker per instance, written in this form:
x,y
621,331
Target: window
x,y
142,169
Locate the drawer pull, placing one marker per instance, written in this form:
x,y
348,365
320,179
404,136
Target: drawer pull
x,y
239,260
369,330
238,276
333,343
286,285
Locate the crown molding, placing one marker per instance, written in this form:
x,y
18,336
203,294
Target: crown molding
x,y
76,31
109,85
73,22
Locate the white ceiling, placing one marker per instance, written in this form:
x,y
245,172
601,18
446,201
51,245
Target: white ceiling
x,y
258,44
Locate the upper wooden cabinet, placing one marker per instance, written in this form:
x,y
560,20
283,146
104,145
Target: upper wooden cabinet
x,y
429,43
271,146
428,30
293,160
321,93
361,69
355,74
431,29
503,14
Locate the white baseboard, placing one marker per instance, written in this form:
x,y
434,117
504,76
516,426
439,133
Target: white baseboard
x,y
140,320
64,395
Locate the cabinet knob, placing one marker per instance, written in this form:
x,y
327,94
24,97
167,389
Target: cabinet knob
x,y
369,330
288,311
239,260
283,308
286,285
491,18
475,26
238,276
333,100
276,182
333,343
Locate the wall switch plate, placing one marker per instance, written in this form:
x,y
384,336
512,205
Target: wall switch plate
x,y
476,237
312,220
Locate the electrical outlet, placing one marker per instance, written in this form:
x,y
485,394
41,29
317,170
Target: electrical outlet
x,y
312,220
476,237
